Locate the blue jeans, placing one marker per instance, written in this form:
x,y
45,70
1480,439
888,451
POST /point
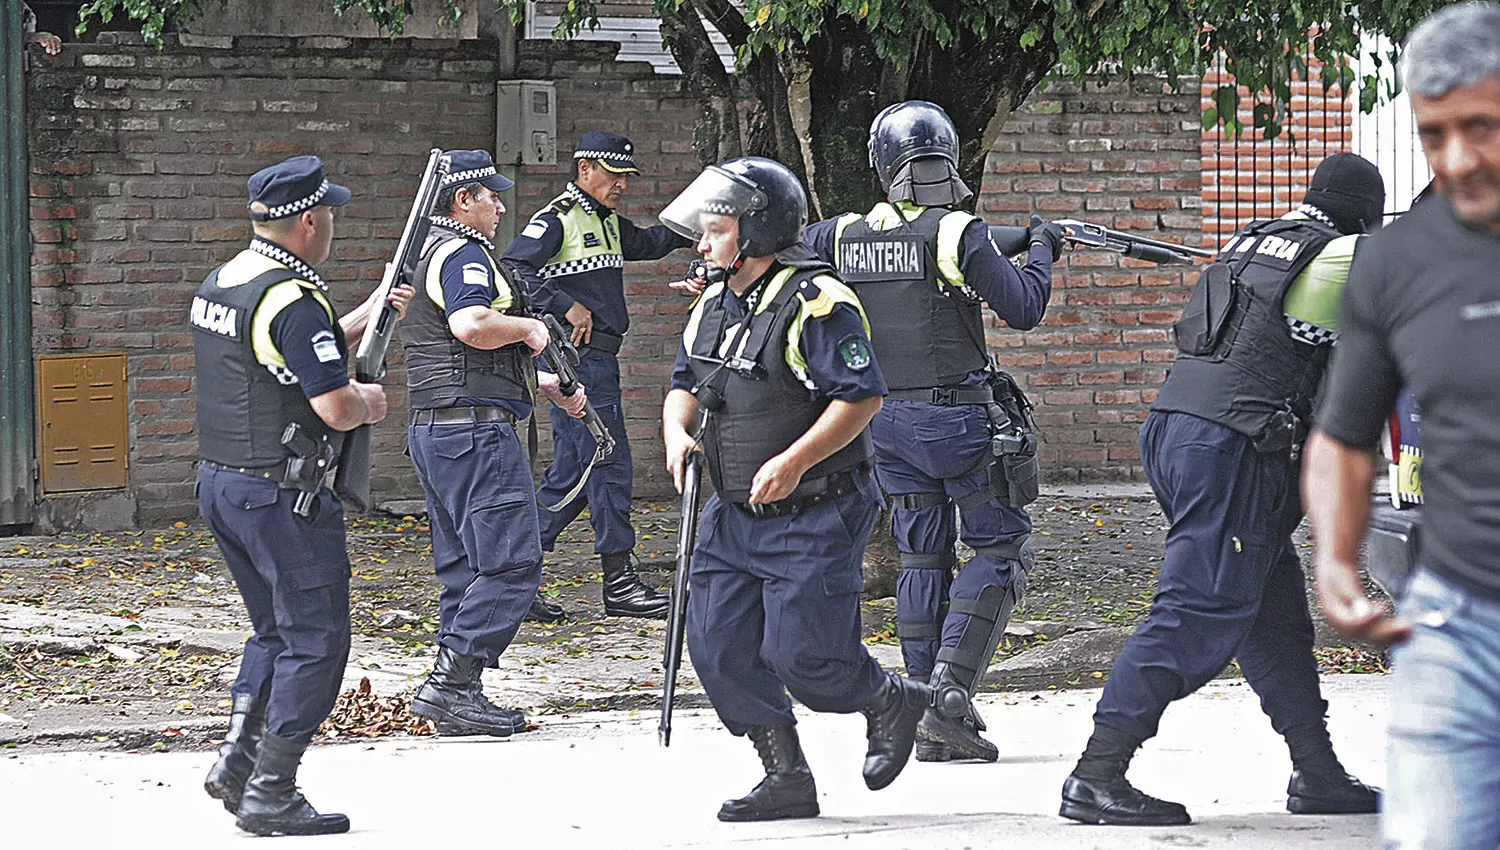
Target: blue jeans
x,y
1443,761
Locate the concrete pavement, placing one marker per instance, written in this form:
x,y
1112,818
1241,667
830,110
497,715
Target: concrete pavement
x,y
599,780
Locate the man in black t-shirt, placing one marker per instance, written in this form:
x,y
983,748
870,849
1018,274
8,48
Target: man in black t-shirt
x,y
1422,310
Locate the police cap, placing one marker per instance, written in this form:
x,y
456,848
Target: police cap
x,y
291,187
616,153
474,167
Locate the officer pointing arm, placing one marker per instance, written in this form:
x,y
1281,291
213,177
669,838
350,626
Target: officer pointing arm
x,y
573,254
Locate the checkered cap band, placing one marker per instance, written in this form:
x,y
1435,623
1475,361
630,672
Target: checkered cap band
x,y
473,175
298,205
612,156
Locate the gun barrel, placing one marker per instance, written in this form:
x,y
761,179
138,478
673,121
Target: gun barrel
x,y
687,536
369,355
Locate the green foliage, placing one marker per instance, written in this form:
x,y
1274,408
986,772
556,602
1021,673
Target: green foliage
x,y
1261,44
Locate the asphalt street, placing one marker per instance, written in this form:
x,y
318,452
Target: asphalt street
x,y
601,780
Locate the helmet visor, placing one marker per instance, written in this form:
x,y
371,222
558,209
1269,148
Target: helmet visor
x,y
714,192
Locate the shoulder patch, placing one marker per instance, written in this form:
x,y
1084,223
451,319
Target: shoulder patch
x,y
535,229
855,352
324,346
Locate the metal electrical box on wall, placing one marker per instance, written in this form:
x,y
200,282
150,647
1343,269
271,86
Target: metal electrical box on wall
x,y
526,125
83,421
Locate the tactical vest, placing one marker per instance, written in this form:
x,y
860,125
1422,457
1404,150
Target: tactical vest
x,y
243,407
589,242
765,406
439,368
925,334
1237,363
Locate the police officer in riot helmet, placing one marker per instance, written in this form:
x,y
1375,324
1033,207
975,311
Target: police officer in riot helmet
x,y
924,272
274,398
776,364
1221,448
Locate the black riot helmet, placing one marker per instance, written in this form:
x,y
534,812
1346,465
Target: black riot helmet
x,y
762,193
905,131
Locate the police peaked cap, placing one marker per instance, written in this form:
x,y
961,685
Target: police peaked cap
x,y
291,187
466,167
616,153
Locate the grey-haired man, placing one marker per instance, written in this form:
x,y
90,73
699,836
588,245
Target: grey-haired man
x,y
1433,327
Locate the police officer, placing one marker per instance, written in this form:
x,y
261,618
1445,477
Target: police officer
x,y
778,356
924,271
573,253
274,397
470,343
1221,449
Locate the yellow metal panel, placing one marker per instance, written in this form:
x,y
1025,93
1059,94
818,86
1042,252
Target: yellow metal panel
x,y
84,423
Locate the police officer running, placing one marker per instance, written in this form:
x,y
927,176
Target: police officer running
x,y
777,355
1221,448
274,398
573,254
469,344
923,272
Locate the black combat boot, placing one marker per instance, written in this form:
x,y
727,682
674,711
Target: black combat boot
x,y
892,718
942,739
787,791
1097,791
624,593
272,805
226,779
544,611
453,696
1319,783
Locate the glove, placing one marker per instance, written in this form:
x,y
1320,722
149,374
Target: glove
x,y
1049,234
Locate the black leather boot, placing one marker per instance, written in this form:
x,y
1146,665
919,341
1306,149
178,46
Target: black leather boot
x,y
272,805
624,593
787,791
942,739
544,611
226,779
1330,794
892,718
1097,791
453,696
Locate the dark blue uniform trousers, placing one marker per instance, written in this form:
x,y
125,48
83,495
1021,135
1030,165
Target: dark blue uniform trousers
x,y
929,448
774,607
1231,586
607,493
485,549
293,574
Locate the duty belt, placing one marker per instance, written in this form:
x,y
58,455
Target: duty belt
x,y
605,341
274,472
818,490
461,415
946,396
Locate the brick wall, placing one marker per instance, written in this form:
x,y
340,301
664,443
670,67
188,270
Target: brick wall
x,y
139,159
1246,177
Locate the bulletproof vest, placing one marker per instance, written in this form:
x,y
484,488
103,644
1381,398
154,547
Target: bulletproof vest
x,y
765,407
1238,363
243,407
439,368
925,333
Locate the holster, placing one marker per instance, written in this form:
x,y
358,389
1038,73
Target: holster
x,y
308,467
1014,468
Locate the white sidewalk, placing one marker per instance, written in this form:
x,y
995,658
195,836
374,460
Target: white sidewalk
x,y
601,781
